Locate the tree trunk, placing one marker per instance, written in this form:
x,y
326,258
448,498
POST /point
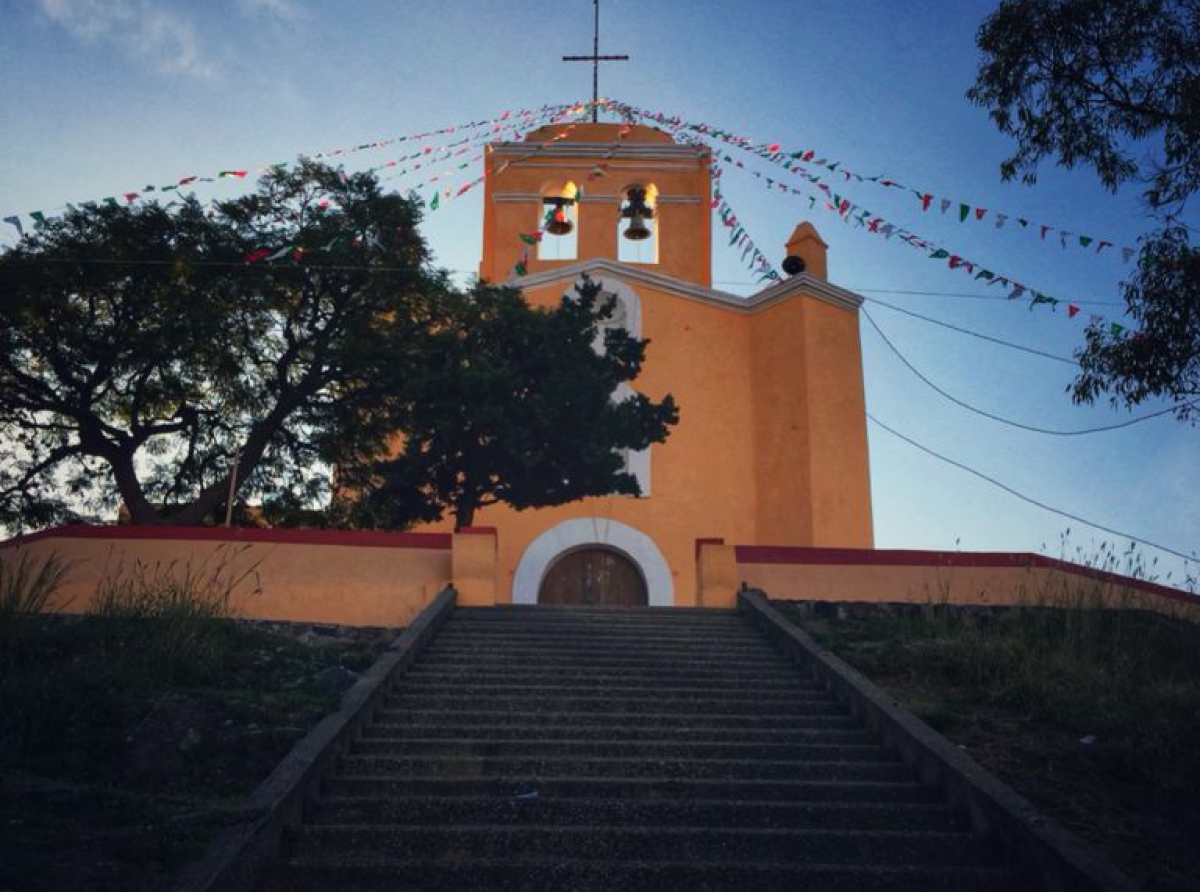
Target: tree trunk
x,y
464,513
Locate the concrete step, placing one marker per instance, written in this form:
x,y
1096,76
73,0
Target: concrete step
x,y
815,704
584,635
577,875
593,647
852,734
786,677
527,786
619,843
615,686
600,766
546,718
445,811
532,748
594,615
640,664
767,698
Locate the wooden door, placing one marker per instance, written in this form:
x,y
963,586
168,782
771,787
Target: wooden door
x,y
593,577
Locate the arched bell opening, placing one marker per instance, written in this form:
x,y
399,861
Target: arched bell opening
x,y
593,575
558,222
638,224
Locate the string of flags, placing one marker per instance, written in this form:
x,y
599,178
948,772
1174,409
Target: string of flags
x,y
965,211
506,120
851,212
739,238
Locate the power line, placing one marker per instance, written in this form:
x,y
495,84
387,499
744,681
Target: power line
x,y
974,334
1025,498
1009,421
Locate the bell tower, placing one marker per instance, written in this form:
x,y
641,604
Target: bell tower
x,y
570,193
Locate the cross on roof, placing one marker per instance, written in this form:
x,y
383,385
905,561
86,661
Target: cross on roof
x,y
595,58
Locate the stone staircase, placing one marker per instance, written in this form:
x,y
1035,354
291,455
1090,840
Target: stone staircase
x,y
649,749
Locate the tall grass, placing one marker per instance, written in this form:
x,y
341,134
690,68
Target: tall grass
x,y
174,614
26,587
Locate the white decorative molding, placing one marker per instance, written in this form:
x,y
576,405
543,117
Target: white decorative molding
x,y
582,532
601,267
617,150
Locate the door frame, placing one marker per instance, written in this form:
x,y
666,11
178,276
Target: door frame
x,y
595,531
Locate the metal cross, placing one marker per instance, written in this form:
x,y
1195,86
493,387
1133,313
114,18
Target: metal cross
x,y
595,58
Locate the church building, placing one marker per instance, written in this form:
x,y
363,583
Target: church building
x,y
771,445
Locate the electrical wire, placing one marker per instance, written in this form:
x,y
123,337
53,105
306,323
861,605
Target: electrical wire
x,y
1009,421
1024,498
974,334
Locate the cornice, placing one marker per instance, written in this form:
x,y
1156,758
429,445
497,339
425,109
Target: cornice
x,y
641,151
776,293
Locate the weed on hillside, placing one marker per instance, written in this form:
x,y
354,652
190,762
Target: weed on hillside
x,y
1093,714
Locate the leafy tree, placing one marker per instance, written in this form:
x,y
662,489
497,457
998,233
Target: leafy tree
x,y
147,354
516,405
1095,83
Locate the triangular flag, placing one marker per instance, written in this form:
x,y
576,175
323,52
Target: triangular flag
x,y
1045,229
130,196
232,173
1103,244
16,222
1126,253
1085,240
925,200
979,212
1039,298
531,238
1016,292
112,202
955,261
38,217
435,202
255,256
939,254
985,274
1001,219
1115,329
1072,311
946,202
963,211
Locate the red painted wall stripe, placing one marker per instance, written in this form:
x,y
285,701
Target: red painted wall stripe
x,y
346,538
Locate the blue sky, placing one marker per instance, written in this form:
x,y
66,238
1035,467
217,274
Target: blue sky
x,y
104,96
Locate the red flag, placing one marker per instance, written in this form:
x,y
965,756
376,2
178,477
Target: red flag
x,y
955,261
130,196
925,202
1072,311
1045,229
979,212
255,256
773,148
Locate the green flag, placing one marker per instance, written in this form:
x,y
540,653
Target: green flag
x,y
1085,240
963,211
939,254
1115,329
38,217
435,202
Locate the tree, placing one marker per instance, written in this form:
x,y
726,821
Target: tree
x,y
516,405
153,355
1095,82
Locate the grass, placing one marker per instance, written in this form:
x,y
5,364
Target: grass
x,y
26,587
128,735
1091,713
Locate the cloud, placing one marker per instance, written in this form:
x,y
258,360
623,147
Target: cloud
x,y
285,10
141,29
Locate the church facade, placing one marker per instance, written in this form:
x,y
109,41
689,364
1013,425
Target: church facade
x,y
771,445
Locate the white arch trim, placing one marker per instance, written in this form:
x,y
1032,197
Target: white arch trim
x,y
570,534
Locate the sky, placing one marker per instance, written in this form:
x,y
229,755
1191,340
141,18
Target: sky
x,y
104,96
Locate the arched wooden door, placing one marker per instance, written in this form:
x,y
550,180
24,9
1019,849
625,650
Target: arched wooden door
x,y
593,577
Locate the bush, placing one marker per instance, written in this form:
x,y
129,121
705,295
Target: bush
x,y
26,588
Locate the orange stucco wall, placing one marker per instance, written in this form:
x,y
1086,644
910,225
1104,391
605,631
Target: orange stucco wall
x,y
348,579
771,445
1003,579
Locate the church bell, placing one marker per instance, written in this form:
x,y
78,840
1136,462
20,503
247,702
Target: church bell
x,y
637,212
559,223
